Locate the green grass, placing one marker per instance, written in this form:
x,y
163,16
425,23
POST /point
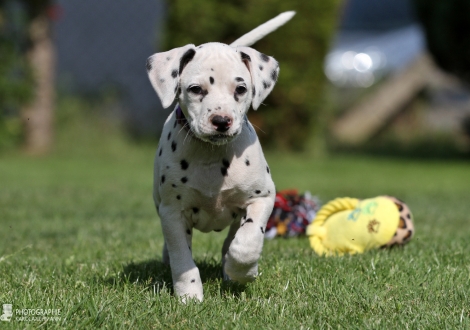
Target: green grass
x,y
79,233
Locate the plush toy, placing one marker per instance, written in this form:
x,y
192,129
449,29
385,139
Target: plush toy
x,y
350,225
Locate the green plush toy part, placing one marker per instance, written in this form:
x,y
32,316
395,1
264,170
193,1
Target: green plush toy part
x,y
350,226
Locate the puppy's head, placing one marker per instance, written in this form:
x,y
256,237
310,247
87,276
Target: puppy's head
x,y
215,85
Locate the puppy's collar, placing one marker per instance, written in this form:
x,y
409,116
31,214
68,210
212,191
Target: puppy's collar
x,y
180,118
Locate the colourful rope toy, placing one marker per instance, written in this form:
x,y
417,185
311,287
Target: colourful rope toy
x,y
350,226
292,214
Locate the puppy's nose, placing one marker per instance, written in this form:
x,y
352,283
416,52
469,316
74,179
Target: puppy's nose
x,y
222,124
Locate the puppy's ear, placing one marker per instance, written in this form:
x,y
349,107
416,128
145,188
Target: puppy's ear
x,y
164,70
264,71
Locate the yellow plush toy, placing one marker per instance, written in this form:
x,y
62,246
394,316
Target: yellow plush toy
x,y
350,225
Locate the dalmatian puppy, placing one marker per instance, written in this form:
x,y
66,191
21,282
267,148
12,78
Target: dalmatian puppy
x,y
210,172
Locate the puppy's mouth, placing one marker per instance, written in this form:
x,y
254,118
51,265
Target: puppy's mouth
x,y
218,139
215,138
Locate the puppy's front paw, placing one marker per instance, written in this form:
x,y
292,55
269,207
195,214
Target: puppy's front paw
x,y
242,273
189,291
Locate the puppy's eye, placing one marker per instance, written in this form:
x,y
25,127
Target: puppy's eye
x,y
240,89
195,89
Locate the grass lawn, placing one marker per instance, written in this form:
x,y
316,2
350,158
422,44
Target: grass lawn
x,y
79,233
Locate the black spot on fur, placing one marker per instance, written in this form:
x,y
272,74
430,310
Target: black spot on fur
x,y
274,75
266,84
408,216
160,152
261,67
267,169
264,57
186,58
178,197
254,91
226,165
169,136
193,280
211,80
249,220
247,162
162,181
262,230
174,73
235,96
162,80
258,191
168,58
239,79
209,110
408,235
184,164
184,179
212,69
149,64
173,146
402,223
245,56
195,209
188,231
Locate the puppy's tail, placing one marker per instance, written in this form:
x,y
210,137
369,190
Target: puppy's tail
x,y
264,29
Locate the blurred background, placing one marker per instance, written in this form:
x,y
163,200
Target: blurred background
x,y
382,77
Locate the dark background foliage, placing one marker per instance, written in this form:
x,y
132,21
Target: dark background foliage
x,y
17,80
447,25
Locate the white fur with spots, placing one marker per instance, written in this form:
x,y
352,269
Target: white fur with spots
x,y
210,172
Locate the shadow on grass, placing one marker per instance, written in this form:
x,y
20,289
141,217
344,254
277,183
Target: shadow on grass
x,y
156,276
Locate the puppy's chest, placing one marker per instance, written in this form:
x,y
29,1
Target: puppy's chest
x,y
214,194
217,184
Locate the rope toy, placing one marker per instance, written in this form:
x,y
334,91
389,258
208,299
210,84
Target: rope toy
x,y
292,214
